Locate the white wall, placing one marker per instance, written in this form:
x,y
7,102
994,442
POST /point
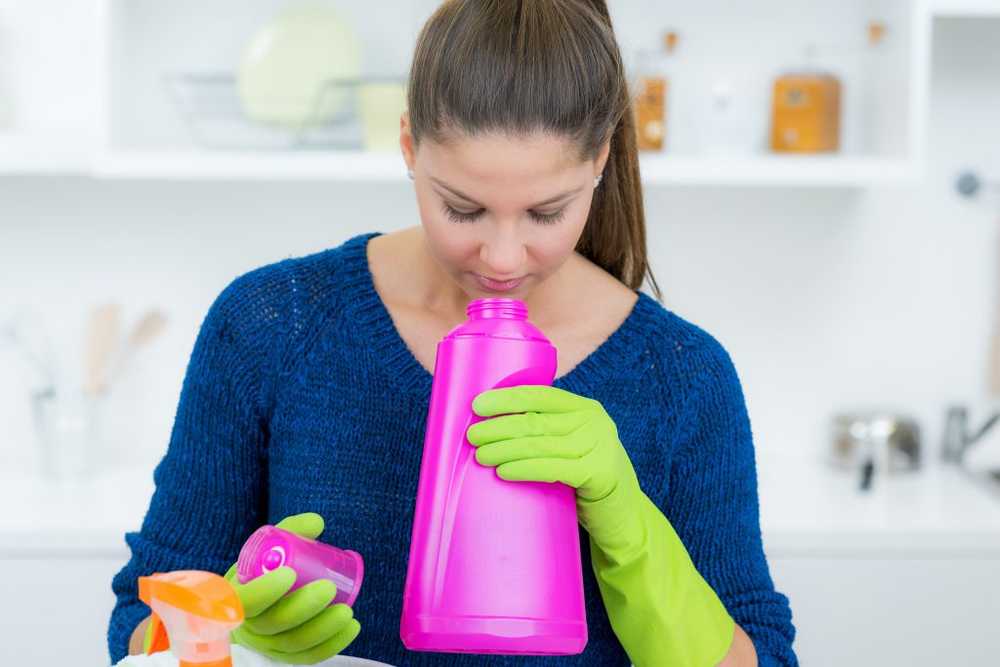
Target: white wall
x,y
825,298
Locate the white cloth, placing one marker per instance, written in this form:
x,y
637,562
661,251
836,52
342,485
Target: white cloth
x,y
242,657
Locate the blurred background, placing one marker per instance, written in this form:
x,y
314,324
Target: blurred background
x,y
822,185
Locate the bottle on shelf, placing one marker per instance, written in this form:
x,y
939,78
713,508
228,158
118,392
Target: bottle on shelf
x,y
805,109
808,110
652,84
729,121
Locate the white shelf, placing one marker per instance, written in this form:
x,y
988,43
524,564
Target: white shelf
x,y
195,165
778,170
22,156
27,155
966,8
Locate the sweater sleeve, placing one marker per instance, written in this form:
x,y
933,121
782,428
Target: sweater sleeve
x,y
210,488
713,505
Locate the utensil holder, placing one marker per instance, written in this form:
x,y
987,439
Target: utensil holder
x,y
68,434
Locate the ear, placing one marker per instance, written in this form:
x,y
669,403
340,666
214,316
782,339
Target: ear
x,y
406,140
602,157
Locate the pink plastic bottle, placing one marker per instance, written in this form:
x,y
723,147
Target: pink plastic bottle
x,y
270,547
494,565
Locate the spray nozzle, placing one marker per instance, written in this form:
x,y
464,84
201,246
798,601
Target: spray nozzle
x,y
193,614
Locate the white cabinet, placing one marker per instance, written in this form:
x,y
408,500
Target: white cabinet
x,y
908,574
56,607
870,611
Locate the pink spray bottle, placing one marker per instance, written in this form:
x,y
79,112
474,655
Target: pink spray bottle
x,y
494,565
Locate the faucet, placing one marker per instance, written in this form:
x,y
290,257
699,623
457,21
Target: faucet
x,y
23,332
957,435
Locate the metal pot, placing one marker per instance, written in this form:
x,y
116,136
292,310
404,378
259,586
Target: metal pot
x,y
875,440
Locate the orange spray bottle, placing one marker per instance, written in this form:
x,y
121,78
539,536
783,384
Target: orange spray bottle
x,y
193,614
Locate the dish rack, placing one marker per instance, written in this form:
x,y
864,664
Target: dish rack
x,y
210,106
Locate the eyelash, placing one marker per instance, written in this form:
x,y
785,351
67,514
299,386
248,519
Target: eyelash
x,y
540,218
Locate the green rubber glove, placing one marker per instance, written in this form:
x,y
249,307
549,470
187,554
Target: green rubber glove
x,y
660,607
300,627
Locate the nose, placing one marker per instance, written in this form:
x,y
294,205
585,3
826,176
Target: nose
x,y
503,255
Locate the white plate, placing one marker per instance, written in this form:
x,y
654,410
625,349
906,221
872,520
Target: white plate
x,y
242,657
347,661
288,62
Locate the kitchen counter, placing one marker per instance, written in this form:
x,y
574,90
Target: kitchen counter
x,y
806,510
941,510
42,517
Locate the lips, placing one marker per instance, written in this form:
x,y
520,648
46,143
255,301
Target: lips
x,y
498,285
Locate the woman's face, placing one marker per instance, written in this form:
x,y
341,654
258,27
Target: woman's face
x,y
501,214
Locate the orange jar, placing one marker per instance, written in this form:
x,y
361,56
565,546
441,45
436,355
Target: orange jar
x,y
806,113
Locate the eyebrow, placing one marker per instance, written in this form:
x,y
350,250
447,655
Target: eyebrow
x,y
551,200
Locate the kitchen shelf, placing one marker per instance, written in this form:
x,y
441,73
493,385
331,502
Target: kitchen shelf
x,y
882,141
772,170
25,155
196,165
131,131
22,156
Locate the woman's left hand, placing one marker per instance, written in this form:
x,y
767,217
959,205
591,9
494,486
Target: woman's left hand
x,y
546,434
659,605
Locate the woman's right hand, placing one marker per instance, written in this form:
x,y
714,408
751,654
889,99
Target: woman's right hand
x,y
301,627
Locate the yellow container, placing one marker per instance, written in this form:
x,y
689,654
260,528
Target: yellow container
x,y
805,114
382,104
652,99
650,114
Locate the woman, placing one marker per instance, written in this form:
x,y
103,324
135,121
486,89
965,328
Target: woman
x,y
306,392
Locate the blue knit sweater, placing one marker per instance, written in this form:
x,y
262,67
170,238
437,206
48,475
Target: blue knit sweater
x,y
300,396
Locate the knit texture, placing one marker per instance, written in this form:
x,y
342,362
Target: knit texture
x,y
300,396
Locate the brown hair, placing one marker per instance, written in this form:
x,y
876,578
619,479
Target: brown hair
x,y
520,66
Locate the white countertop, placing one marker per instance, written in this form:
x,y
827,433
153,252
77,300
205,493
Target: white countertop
x,y
938,510
806,510
41,517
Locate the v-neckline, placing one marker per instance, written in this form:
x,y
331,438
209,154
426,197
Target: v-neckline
x,y
610,357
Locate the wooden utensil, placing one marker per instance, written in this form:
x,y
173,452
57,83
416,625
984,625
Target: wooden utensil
x,y
149,326
102,337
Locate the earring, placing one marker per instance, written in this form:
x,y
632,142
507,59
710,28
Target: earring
x,y
409,174
597,181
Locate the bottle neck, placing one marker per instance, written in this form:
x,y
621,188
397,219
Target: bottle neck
x,y
499,308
